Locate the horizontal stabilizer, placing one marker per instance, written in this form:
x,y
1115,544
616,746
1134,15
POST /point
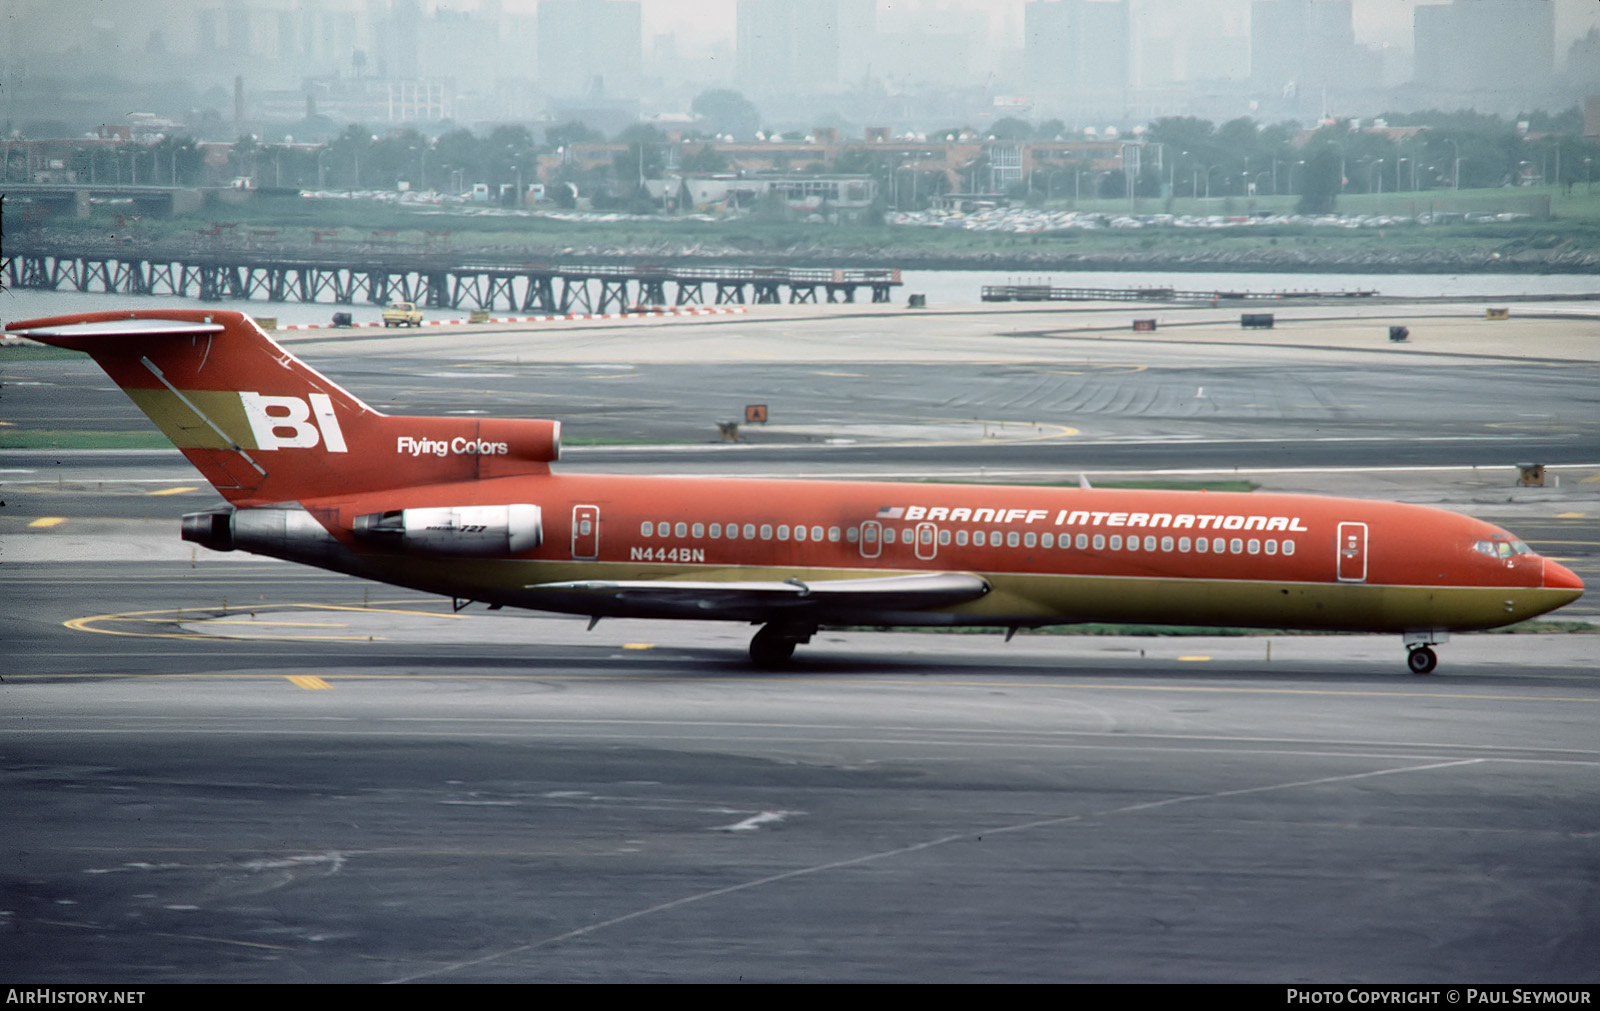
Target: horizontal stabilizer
x,y
80,336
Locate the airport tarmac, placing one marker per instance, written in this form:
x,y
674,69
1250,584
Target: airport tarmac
x,y
222,768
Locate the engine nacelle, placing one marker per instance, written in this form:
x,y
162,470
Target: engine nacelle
x,y
456,530
287,532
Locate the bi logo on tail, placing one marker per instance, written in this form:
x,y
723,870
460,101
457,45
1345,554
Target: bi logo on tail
x,y
292,423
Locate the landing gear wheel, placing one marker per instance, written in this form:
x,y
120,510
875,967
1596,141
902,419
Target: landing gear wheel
x,y
1422,660
773,646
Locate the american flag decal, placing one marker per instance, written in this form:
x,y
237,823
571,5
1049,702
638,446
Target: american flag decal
x,y
891,512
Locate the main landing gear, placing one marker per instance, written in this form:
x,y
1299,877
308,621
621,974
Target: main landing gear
x,y
1422,660
1420,657
773,646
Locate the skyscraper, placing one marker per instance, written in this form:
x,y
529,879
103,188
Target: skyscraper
x,y
1485,46
1303,46
1076,56
590,47
786,47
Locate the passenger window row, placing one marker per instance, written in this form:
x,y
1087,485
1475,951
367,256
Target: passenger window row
x,y
976,538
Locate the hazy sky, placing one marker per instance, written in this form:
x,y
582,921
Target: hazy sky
x,y
1377,22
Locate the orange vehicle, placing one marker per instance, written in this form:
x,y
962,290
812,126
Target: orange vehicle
x,y
469,508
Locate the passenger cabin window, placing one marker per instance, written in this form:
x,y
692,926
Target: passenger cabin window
x,y
646,528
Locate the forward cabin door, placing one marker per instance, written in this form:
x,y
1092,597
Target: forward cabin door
x,y
585,532
1352,552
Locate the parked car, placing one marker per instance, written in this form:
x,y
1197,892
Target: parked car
x,y
402,314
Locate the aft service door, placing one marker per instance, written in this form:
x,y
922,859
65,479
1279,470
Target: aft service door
x,y
1352,552
585,532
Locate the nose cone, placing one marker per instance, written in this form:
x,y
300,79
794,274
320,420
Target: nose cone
x,y
1559,577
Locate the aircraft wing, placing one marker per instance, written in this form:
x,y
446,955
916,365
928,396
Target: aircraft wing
x,y
761,598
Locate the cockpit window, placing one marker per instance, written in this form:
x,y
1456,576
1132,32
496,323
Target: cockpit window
x,y
1501,547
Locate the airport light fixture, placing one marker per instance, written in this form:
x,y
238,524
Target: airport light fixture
x,y
1340,146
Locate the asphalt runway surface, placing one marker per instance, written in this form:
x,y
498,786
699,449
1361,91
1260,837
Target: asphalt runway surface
x,y
219,768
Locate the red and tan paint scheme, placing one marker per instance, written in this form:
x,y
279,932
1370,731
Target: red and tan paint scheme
x,y
469,508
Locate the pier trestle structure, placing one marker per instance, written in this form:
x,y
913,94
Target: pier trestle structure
x,y
528,287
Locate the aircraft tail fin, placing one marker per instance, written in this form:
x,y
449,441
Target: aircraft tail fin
x,y
263,426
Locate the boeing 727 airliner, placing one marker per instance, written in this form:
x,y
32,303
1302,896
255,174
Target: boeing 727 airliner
x,y
469,508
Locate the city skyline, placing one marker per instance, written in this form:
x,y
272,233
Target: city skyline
x,y
906,64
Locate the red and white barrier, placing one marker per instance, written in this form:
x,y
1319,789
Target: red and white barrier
x,y
641,314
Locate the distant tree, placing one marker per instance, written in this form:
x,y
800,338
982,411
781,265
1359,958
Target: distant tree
x,y
510,154
1186,133
1051,129
727,112
643,158
459,151
1011,128
860,161
1322,181
244,154
705,159
179,161
393,158
570,133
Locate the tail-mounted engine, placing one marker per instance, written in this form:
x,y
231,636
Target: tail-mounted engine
x,y
456,530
